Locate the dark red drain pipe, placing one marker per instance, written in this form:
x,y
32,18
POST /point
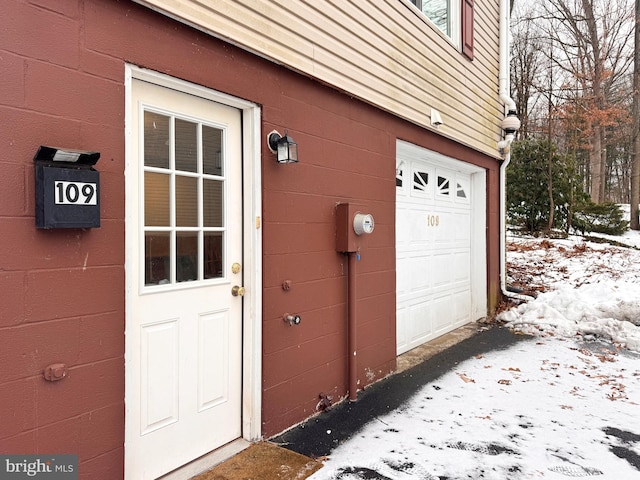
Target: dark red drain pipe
x,y
351,320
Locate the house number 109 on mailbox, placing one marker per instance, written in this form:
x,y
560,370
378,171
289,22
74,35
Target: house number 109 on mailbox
x,y
75,193
67,188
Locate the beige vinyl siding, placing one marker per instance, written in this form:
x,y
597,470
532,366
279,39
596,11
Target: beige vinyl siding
x,y
384,52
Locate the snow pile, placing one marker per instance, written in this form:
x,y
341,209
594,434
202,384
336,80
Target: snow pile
x,y
588,289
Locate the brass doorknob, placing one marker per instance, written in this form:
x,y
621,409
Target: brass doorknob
x,y
237,291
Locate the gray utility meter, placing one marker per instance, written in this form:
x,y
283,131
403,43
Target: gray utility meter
x,y
67,188
351,226
362,223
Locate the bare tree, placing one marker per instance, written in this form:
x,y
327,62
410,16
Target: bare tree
x,y
552,206
526,68
592,39
635,135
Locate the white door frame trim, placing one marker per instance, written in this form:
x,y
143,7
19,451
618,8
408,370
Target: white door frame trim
x,y
252,235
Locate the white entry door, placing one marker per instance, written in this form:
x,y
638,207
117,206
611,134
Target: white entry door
x,y
184,237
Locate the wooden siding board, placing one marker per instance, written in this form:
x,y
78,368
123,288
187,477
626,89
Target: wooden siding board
x,y
450,91
383,52
240,25
453,88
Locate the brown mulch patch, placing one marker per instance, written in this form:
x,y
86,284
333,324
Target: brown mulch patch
x,y
263,461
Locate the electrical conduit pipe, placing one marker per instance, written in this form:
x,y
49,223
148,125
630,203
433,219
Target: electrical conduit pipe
x,y
351,320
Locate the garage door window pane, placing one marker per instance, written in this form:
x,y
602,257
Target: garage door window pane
x,y
443,186
420,181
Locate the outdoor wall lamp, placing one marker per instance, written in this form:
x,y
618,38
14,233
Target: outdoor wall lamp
x,y
285,147
510,125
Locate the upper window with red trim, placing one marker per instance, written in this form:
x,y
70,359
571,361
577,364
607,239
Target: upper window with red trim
x,y
454,18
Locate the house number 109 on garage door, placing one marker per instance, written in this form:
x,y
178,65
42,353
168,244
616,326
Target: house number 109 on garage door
x,y
433,220
75,193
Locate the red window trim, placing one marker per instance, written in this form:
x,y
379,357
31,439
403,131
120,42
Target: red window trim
x,y
467,28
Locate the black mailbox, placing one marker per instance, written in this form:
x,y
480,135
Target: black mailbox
x,y
67,188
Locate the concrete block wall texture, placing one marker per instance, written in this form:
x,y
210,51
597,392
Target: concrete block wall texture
x,y
62,291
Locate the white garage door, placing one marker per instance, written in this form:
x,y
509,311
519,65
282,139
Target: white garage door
x,y
440,245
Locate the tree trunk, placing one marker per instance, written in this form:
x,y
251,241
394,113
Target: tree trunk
x,y
571,200
552,206
635,184
603,165
635,140
596,157
595,165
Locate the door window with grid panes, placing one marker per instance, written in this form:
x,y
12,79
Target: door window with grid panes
x,y
184,200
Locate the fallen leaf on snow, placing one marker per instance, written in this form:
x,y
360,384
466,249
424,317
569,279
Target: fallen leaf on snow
x,y
616,396
466,379
606,358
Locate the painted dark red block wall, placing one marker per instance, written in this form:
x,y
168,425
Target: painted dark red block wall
x,y
62,291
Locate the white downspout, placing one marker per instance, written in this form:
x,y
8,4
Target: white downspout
x,y
505,145
505,16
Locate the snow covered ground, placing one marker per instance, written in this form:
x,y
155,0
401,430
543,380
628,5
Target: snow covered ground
x,y
589,289
564,403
